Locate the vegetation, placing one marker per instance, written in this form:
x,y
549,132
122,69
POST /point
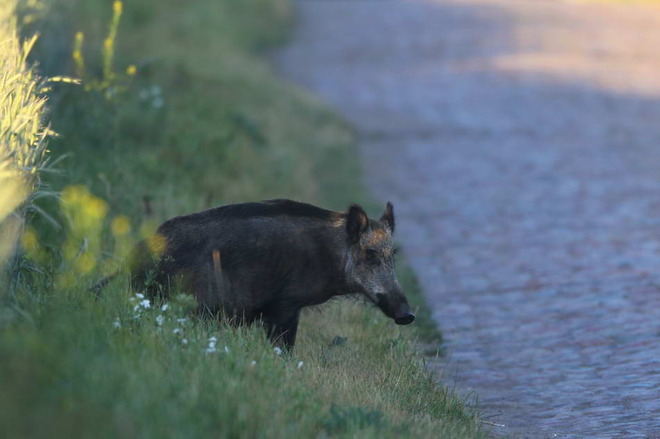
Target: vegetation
x,y
22,133
178,111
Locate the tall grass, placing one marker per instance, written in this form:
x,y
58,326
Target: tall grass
x,y
22,132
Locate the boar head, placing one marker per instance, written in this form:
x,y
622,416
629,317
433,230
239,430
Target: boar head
x,y
370,267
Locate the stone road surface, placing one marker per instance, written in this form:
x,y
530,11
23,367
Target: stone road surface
x,y
520,144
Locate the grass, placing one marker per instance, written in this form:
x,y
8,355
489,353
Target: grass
x,y
202,121
141,380
22,133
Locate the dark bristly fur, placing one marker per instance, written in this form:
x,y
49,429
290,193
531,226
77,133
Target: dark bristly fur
x,y
268,260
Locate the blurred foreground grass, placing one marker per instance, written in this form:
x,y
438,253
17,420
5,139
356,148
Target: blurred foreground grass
x,y
178,113
22,133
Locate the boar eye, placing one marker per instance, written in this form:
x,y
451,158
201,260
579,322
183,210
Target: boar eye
x,y
372,256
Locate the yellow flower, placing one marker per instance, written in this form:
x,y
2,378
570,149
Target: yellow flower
x,y
85,263
95,207
74,194
157,244
120,225
131,70
117,7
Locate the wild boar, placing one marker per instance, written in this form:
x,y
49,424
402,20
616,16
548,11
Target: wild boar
x,y
268,260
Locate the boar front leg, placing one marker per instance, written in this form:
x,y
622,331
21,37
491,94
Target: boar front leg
x,y
282,327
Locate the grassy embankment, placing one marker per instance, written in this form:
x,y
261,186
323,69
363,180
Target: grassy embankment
x,y
201,121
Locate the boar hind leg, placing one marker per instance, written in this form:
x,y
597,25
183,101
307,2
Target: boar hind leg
x,y
282,328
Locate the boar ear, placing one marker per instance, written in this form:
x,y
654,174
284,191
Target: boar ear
x,y
356,223
388,217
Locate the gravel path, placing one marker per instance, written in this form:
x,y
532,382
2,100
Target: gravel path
x,y
520,144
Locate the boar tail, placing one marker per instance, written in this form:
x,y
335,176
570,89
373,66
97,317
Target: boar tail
x,y
98,286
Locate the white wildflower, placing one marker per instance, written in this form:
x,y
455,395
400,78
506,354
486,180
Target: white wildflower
x,y
176,330
253,363
116,324
300,364
226,349
139,296
184,341
164,307
278,351
182,320
160,320
211,348
145,304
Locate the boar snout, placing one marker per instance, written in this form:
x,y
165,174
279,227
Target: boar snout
x,y
405,318
395,306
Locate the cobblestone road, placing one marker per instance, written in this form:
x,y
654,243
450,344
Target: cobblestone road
x,y
520,143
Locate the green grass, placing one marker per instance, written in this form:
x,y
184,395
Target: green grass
x,y
227,130
89,379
